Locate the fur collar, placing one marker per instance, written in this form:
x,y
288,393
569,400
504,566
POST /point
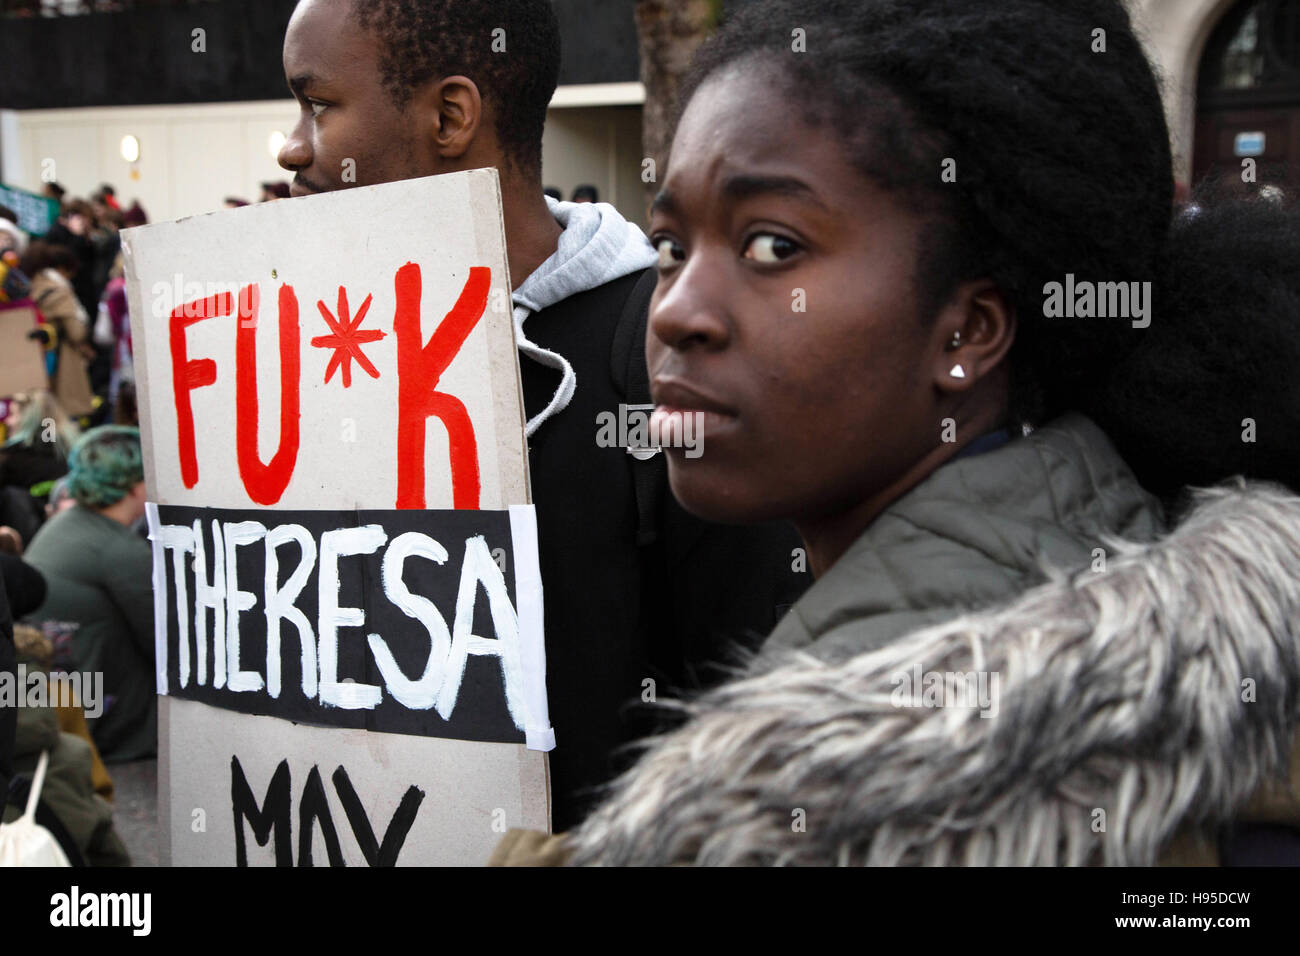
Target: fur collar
x,y
1133,702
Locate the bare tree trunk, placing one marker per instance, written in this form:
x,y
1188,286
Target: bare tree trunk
x,y
669,31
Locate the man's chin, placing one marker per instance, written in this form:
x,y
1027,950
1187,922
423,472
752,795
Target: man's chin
x,y
299,188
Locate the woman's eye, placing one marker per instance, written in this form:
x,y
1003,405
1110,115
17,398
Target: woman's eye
x,y
316,107
770,248
670,253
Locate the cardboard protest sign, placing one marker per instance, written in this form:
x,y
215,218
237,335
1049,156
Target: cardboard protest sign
x,y
22,360
347,598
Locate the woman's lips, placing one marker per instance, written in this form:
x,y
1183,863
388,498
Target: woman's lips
x,y
671,393
684,417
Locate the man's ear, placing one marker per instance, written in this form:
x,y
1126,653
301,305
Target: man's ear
x,y
972,335
458,115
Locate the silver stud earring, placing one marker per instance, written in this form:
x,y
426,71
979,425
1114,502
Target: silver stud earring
x,y
958,372
956,341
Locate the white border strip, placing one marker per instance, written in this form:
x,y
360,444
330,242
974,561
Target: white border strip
x,y
159,595
532,635
599,94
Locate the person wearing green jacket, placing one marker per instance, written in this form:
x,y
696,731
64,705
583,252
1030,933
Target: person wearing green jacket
x,y
99,574
70,791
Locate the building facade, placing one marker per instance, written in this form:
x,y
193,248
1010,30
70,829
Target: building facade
x,y
205,124
197,87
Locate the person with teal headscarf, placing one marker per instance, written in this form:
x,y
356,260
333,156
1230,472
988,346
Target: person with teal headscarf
x,y
99,575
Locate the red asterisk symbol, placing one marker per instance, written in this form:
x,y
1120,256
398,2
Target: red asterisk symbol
x,y
347,339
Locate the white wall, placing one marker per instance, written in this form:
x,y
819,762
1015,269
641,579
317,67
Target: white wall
x,y
192,156
600,146
1175,33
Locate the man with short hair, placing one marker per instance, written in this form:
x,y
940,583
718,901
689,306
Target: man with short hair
x,y
640,598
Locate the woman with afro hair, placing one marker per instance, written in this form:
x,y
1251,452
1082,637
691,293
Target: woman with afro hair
x,y
1026,642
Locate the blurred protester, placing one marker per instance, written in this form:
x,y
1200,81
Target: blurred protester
x,y
12,236
11,540
99,576
76,781
234,202
125,410
275,190
52,269
8,715
586,193
108,246
75,229
134,216
553,193
113,333
108,196
54,191
104,236
33,457
60,498
77,784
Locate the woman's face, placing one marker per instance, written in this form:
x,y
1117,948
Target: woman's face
x,y
14,417
786,309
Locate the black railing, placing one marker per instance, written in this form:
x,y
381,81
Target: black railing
x,y
73,8
146,51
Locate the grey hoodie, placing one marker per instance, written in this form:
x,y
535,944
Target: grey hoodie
x,y
597,246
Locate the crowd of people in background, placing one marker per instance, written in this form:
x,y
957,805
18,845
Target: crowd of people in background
x,y
70,481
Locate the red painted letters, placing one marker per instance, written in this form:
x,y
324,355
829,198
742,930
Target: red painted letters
x,y
266,483
418,369
188,375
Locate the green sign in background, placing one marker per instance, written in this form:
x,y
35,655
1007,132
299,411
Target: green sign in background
x,y
36,214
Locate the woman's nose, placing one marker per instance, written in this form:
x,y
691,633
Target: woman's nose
x,y
689,309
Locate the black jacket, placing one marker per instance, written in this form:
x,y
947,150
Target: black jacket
x,y
627,622
8,715
22,589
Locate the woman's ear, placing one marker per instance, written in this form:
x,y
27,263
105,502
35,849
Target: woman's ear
x,y
458,115
972,335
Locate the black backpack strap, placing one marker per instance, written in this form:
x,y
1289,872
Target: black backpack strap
x,y
627,365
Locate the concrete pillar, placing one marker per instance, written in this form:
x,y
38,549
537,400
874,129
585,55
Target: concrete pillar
x,y
1175,33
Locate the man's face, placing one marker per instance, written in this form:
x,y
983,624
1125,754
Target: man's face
x,y
349,131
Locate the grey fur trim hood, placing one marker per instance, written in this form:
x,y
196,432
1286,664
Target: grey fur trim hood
x,y
1124,707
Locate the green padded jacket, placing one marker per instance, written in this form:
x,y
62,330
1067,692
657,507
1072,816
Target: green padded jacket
x,y
978,531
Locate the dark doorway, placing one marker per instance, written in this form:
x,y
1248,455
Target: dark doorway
x,y
1248,96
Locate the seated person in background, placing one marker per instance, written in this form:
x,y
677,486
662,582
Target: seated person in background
x,y
8,715
60,498
77,787
52,269
99,575
40,436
